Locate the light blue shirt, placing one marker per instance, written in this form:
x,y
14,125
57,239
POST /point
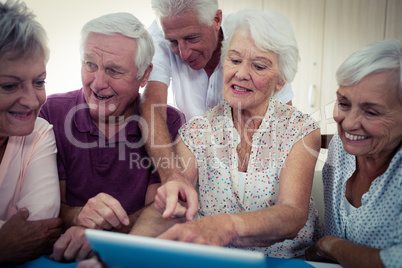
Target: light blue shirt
x,y
377,223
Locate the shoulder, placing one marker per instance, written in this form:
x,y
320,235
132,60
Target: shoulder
x,y
59,104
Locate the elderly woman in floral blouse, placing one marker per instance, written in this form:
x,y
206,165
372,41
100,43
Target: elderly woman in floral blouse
x,y
252,157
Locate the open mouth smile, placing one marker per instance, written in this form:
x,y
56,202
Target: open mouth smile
x,y
99,97
355,138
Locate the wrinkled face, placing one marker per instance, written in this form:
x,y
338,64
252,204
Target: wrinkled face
x,y
22,93
250,75
193,42
369,115
109,76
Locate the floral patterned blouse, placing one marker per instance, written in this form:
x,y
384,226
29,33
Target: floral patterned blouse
x,y
213,140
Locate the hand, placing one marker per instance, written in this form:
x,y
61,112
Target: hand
x,y
103,212
72,246
171,197
91,263
23,240
320,251
217,230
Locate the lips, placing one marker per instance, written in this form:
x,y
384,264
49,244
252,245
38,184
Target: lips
x,y
240,90
355,137
21,115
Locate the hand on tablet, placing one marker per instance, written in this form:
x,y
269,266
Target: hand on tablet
x,y
103,212
177,198
217,230
72,246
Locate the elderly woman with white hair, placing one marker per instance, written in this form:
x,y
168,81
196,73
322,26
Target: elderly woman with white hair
x,y
252,157
363,173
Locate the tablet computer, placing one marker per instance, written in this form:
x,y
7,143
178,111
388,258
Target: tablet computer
x,y
123,250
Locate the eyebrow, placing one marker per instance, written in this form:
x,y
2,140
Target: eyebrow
x,y
254,59
364,104
18,78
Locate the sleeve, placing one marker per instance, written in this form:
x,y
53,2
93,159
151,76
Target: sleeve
x,y
40,191
392,256
161,61
45,114
285,94
175,120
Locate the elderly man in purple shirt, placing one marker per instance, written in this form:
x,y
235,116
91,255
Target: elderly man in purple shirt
x,y
106,176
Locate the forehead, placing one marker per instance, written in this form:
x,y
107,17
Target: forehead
x,y
244,44
182,25
12,63
117,47
381,88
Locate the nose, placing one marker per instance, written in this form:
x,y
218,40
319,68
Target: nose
x,y
184,50
243,71
30,98
352,120
100,81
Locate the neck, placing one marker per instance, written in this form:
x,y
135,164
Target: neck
x,y
216,56
374,166
245,120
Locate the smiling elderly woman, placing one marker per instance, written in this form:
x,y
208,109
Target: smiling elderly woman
x,y
29,188
363,174
252,156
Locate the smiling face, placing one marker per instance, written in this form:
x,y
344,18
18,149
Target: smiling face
x,y
369,115
22,93
250,75
109,75
192,41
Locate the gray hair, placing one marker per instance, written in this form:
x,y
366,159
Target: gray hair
x,y
20,33
271,31
378,57
206,9
127,25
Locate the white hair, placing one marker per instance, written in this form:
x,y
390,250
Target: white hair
x,y
127,25
378,57
271,31
205,9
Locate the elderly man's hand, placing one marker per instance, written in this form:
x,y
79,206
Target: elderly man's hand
x,y
177,198
103,212
24,240
218,230
72,246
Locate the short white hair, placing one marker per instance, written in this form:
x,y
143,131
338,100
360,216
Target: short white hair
x,y
127,25
205,9
271,31
378,57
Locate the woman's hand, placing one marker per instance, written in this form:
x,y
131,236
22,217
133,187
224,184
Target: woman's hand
x,y
177,198
320,251
218,230
22,240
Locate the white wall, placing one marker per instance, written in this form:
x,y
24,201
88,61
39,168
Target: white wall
x,y
63,20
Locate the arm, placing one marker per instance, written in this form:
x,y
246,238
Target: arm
x,y
344,252
73,245
269,225
158,141
40,176
22,240
170,196
102,212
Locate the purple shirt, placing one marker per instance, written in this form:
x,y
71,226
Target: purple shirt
x,y
90,163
